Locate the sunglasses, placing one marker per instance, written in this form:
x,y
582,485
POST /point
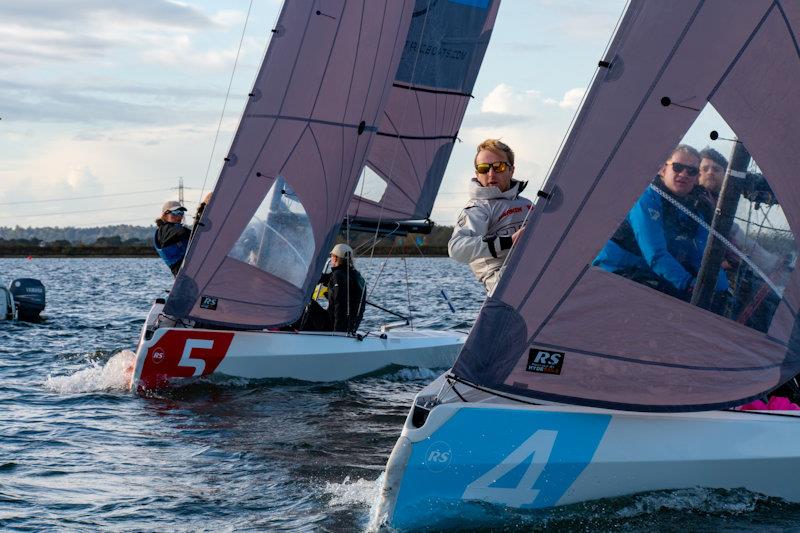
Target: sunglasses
x,y
176,213
497,166
691,171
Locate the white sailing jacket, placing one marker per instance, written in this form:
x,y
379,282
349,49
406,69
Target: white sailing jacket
x,y
482,235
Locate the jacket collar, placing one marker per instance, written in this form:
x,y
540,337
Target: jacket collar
x,y
479,192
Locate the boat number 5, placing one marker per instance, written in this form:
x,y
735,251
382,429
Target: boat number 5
x,y
539,445
186,357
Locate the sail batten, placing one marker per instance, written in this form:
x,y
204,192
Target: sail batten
x,y
574,332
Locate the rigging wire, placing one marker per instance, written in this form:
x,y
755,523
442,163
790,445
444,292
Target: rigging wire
x,y
23,202
225,103
390,173
77,212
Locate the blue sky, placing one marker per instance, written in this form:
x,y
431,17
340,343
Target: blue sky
x,y
112,97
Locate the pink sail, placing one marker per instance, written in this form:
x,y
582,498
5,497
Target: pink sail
x,y
294,162
558,328
441,58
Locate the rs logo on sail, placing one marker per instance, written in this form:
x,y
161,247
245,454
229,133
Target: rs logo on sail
x,y
545,361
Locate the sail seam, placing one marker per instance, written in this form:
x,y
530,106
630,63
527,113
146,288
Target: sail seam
x,y
789,28
740,53
647,362
556,307
312,121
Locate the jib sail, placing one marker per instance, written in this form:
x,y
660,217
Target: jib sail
x,y
294,162
596,305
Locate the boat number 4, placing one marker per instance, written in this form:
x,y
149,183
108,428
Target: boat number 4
x,y
186,357
539,445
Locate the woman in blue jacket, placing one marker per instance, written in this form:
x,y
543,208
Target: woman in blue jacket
x,y
171,238
658,243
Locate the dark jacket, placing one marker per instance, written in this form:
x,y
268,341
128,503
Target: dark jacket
x,y
171,241
345,313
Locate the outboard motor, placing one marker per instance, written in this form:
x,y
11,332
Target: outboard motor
x,y
28,294
6,304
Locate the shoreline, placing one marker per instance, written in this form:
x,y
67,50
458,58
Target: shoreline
x,y
128,253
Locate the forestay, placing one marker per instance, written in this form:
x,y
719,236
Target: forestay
x,y
559,329
441,59
294,162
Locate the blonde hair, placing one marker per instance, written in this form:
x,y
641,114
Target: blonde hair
x,y
498,147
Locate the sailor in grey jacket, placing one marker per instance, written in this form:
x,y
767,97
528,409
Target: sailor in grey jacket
x,y
487,227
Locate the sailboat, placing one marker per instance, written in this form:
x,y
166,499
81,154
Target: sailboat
x,y
343,84
579,382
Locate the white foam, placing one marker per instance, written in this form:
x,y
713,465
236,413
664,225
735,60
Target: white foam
x,y
414,374
694,499
361,492
115,375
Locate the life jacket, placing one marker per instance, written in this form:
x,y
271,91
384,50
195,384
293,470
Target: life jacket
x,y
680,226
171,253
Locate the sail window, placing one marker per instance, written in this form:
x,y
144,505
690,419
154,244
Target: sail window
x,y
708,229
279,238
371,186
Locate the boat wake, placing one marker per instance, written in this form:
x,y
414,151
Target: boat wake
x,y
361,492
695,499
114,375
414,374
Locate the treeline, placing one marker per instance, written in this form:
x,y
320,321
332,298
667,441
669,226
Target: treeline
x,y
102,247
36,245
125,232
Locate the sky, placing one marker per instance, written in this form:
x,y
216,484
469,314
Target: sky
x,y
116,100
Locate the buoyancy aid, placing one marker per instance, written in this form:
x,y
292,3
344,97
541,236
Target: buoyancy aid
x,y
171,253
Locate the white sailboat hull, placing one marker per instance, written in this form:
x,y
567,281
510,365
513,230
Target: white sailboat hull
x,y
528,456
172,354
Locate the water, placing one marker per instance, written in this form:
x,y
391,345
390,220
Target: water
x,y
78,452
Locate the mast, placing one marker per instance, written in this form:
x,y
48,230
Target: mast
x,y
724,213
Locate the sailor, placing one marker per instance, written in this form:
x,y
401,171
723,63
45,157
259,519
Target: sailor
x,y
171,238
492,220
346,296
659,243
755,303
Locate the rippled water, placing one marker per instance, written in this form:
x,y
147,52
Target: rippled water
x,y
78,452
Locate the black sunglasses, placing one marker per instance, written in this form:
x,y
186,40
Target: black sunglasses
x,y
691,171
497,166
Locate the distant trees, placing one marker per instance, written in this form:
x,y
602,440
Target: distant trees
x,y
78,235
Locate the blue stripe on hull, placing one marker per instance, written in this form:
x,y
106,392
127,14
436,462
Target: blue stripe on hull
x,y
520,458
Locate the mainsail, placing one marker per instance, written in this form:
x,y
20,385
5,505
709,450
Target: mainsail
x,y
559,329
294,163
418,127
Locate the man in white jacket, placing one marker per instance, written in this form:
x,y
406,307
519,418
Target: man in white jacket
x,y
492,220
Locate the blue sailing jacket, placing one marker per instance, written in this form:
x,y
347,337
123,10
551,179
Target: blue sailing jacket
x,y
171,253
663,241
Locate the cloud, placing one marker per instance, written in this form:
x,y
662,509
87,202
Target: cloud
x,y
505,99
570,100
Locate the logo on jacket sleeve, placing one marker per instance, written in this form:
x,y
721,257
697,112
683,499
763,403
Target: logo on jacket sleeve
x,y
545,361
